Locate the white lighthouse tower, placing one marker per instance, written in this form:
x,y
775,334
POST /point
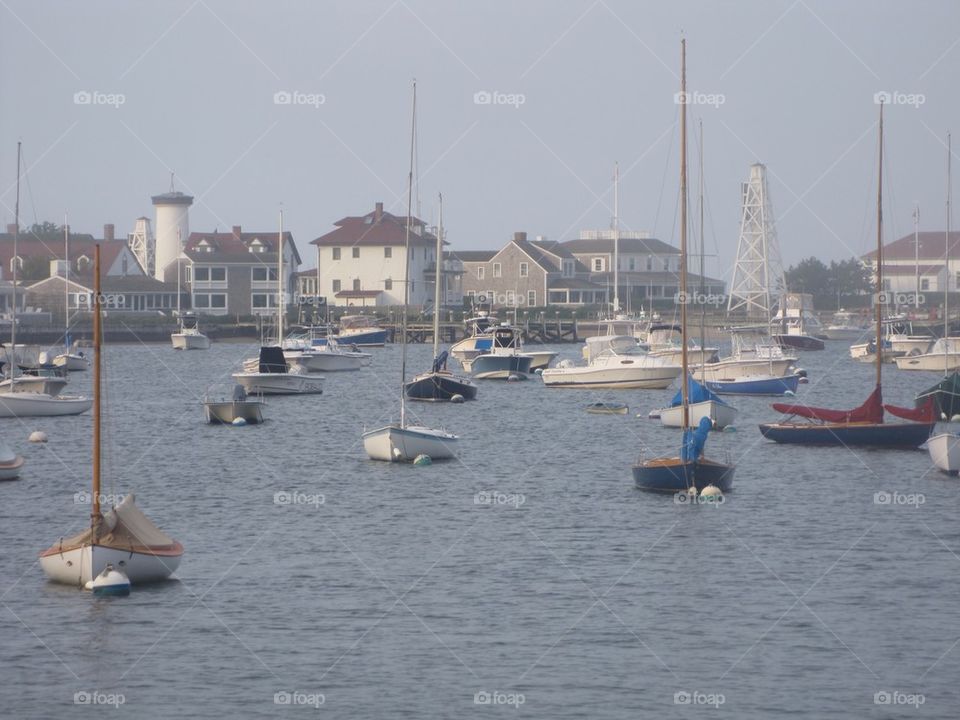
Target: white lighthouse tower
x,y
172,228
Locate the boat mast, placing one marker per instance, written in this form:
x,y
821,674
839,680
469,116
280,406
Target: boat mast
x,y
95,517
406,264
683,232
878,305
281,291
916,249
12,354
946,262
438,275
703,287
616,239
179,252
66,285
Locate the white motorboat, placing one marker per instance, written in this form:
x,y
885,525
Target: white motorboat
x,y
32,404
501,357
467,349
188,335
796,325
898,340
329,357
943,356
269,374
664,341
944,449
403,442
611,370
122,536
753,353
10,463
845,326
239,406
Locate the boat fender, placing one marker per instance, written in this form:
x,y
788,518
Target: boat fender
x,y
789,393
712,493
457,399
514,378
239,422
801,372
422,460
538,371
38,436
803,380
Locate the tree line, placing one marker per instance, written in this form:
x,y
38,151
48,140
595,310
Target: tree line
x,y
847,283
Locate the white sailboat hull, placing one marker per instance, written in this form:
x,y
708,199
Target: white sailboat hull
x,y
72,362
620,371
944,449
190,341
931,362
34,384
30,404
394,443
720,414
279,383
78,566
695,356
731,368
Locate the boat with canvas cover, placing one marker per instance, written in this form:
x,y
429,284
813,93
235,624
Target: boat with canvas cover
x,y
122,536
701,403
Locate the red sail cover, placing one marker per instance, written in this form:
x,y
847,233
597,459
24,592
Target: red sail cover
x,y
926,413
870,412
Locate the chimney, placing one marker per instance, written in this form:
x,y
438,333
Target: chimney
x,y
11,228
108,231
519,237
378,212
236,232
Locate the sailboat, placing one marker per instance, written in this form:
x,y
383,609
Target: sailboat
x,y
70,359
439,384
402,442
689,471
944,354
20,398
701,402
122,536
863,425
188,335
269,373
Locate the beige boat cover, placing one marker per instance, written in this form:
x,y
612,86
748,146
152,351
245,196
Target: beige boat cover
x,y
125,527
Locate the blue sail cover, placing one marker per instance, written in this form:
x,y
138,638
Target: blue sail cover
x,y
440,362
694,440
695,392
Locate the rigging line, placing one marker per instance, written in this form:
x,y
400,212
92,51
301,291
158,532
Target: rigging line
x,y
26,178
663,181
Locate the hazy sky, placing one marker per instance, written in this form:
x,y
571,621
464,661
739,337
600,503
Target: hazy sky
x,y
790,84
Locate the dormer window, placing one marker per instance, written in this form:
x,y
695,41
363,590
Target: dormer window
x,y
257,246
204,246
83,262
18,261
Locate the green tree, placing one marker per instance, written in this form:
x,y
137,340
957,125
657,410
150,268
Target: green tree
x,y
809,276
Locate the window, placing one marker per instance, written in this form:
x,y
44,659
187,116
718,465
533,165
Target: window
x,y
256,246
649,262
413,287
355,252
924,283
218,300
597,264
336,286
19,263
633,263
531,298
568,268
201,274
481,272
210,274
524,269
218,274
212,301
388,284
388,252
666,263
260,301
356,283
497,270
336,253
263,274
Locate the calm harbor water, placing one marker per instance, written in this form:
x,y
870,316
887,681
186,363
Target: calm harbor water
x,y
529,578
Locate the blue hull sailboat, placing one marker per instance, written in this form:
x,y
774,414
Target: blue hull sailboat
x,y
862,426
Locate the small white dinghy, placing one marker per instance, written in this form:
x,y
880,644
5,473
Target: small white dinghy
x,y
10,463
944,449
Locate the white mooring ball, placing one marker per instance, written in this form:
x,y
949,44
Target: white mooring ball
x,y
458,398
239,422
38,436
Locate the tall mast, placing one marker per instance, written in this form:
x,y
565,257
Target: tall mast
x,y
916,250
281,294
406,263
683,232
438,275
946,260
703,288
179,252
66,283
95,517
12,355
879,306
616,239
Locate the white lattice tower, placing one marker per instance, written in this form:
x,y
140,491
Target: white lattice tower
x,y
143,244
758,278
